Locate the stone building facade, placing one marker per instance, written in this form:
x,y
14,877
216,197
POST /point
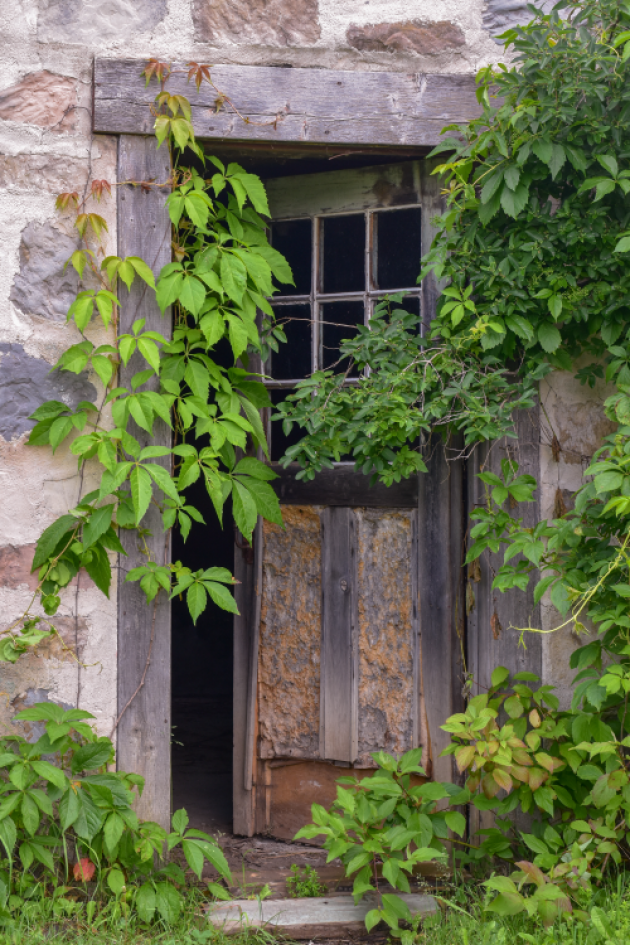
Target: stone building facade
x,y
47,146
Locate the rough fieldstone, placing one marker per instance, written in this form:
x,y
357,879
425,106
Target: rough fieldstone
x,y
26,382
501,15
41,98
263,22
90,22
42,172
413,36
41,287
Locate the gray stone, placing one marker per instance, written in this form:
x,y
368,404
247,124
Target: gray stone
x,y
94,22
263,22
412,36
49,173
26,382
41,287
501,15
26,700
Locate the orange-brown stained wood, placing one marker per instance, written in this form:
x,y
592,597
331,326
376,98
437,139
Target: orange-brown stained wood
x,y
290,634
291,787
386,639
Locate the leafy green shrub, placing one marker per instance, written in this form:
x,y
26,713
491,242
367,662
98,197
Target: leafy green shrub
x,y
569,771
385,823
65,819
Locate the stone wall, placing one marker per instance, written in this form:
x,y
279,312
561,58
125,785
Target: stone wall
x,y
47,48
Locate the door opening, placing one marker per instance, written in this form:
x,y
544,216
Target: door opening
x,y
202,680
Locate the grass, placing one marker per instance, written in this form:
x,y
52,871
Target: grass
x,y
468,923
464,922
39,922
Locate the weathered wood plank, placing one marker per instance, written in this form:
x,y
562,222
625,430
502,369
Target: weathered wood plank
x,y
432,206
252,683
144,732
440,533
488,647
342,486
244,622
318,918
368,188
339,670
314,105
494,642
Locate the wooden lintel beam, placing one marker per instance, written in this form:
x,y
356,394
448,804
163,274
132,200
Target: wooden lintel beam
x,y
319,106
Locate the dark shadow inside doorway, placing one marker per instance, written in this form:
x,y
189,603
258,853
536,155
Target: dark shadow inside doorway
x,y
202,680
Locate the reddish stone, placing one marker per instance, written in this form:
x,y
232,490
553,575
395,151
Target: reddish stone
x,y
15,566
413,36
263,22
41,98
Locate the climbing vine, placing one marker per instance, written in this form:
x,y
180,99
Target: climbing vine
x,y
531,251
222,274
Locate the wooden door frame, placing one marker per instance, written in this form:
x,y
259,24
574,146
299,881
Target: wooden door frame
x,y
381,113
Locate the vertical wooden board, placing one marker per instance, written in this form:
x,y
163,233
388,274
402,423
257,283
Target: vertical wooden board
x,y
440,543
386,693
289,651
495,642
144,732
338,684
244,594
432,204
492,643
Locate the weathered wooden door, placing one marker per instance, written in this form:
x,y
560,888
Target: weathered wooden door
x,y
348,640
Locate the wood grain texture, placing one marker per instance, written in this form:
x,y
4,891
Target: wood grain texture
x,y
487,649
367,188
440,536
144,732
326,918
492,643
342,486
339,649
244,622
317,105
432,206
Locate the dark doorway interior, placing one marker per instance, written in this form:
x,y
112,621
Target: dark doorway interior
x,y
202,679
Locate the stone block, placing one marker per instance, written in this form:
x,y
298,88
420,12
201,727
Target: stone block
x,y
41,98
92,22
15,565
263,22
501,15
411,36
45,173
42,287
25,382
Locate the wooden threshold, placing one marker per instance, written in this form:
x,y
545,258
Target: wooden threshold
x,y
334,917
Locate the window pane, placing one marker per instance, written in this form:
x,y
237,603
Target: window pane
x,y
343,316
398,242
293,239
344,253
280,442
293,360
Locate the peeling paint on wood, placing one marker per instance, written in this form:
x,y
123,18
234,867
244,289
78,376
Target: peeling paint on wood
x,y
290,629
386,651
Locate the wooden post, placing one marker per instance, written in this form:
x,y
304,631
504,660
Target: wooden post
x,y
491,642
339,656
440,538
144,731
